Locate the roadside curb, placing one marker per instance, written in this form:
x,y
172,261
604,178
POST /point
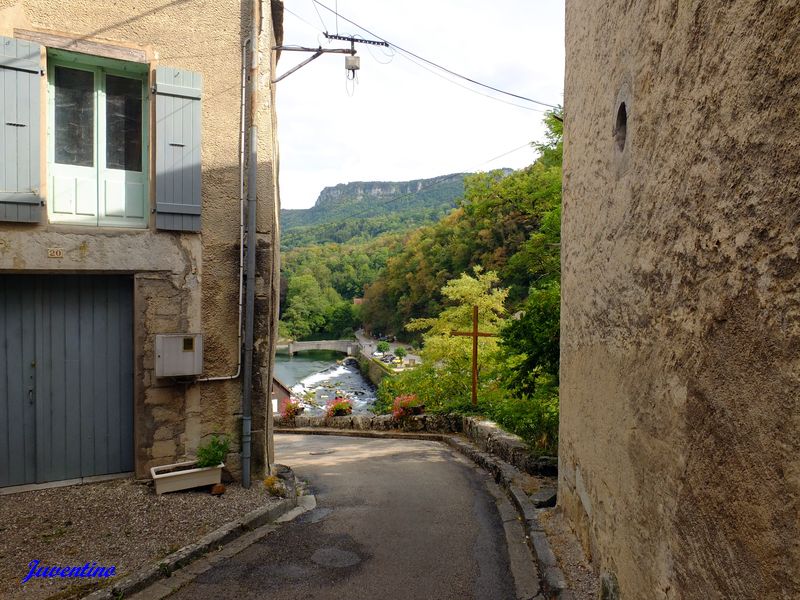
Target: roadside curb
x,y
553,581
215,540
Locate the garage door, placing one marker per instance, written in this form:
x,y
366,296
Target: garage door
x,y
66,377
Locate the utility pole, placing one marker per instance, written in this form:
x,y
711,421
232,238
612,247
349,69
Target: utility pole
x,y
317,52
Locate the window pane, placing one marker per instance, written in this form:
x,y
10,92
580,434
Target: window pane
x,y
123,123
74,118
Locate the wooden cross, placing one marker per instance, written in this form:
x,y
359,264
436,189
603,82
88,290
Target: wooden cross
x,y
474,334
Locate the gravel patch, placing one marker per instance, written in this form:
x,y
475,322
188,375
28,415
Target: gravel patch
x,y
120,523
578,571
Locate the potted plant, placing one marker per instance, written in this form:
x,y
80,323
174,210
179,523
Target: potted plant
x,y
291,408
205,470
338,407
407,405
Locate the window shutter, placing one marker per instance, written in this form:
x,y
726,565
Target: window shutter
x,y
20,68
177,147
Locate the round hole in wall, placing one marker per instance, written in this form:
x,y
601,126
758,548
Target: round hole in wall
x,y
621,126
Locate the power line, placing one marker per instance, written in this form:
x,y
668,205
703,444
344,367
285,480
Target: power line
x,y
320,17
528,145
294,14
469,89
430,62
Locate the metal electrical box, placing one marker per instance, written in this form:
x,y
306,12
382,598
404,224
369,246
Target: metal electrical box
x,y
179,354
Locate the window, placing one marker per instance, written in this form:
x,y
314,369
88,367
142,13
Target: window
x,y
97,141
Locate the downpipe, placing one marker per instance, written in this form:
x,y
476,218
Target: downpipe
x,y
250,296
242,149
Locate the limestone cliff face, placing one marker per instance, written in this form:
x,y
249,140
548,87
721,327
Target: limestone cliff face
x,y
370,208
360,191
680,395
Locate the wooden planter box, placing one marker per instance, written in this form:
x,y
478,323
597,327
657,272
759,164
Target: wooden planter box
x,y
181,476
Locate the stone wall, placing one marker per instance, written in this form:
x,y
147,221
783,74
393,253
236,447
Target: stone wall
x,y
373,370
487,435
183,282
680,396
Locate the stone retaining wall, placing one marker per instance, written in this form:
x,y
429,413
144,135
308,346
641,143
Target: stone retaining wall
x,y
487,435
373,370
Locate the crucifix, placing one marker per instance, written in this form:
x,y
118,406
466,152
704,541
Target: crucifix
x,y
474,334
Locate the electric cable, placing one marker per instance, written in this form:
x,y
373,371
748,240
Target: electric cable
x,y
528,145
295,15
324,27
430,62
469,89
371,50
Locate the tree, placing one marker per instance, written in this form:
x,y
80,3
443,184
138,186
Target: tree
x,y
530,344
383,346
400,352
443,380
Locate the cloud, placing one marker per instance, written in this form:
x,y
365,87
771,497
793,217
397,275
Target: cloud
x,y
402,121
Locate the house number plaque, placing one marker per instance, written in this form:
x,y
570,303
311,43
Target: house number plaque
x,y
55,253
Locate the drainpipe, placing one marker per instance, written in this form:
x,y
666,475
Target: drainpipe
x,y
242,129
250,297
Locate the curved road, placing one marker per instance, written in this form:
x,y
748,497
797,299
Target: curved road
x,y
395,519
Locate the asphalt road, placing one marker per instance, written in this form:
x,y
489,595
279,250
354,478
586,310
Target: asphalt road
x,y
395,519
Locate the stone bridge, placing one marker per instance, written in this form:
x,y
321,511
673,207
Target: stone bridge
x,y
349,347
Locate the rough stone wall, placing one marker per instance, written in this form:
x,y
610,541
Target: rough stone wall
x,y
680,377
183,282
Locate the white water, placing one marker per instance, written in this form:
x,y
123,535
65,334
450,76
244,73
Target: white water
x,y
336,380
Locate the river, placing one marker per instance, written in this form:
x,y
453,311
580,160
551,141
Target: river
x,y
316,376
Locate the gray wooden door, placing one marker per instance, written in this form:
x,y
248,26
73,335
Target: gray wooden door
x,y
66,377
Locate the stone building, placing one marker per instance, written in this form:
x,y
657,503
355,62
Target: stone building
x,y
122,149
680,358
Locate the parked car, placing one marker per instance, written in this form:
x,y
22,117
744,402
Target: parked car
x,y
377,354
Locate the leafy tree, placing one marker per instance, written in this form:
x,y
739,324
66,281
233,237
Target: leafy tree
x,y
383,346
509,224
530,344
444,381
340,273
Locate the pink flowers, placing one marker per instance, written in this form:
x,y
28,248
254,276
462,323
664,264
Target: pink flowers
x,y
407,405
291,408
338,407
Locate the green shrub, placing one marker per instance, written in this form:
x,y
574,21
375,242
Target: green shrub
x,y
383,346
534,418
213,453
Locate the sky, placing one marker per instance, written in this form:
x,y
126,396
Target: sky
x,y
400,121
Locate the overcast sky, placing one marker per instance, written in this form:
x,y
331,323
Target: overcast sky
x,y
403,122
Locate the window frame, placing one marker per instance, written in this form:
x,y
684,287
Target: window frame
x,y
100,67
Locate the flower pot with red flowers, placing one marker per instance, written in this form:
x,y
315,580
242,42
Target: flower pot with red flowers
x,y
338,407
292,408
406,406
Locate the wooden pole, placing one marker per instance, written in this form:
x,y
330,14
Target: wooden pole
x,y
474,334
474,356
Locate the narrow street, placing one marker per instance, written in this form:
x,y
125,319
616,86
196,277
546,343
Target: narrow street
x,y
395,519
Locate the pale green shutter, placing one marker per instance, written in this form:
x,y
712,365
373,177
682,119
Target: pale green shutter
x,y
20,69
177,148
